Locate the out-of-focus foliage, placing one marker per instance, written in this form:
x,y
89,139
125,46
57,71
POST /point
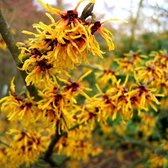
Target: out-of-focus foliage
x,y
146,42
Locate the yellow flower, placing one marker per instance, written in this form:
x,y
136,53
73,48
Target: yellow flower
x,y
148,119
149,71
100,107
66,42
18,107
165,146
105,75
75,88
156,70
115,100
106,129
73,164
161,59
2,44
128,63
141,97
57,106
147,125
78,144
88,115
158,161
162,85
38,68
119,93
108,108
104,32
26,147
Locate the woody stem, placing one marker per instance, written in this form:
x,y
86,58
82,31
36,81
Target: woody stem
x,y
54,140
9,39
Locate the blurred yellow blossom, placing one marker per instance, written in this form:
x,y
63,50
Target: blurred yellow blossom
x,y
26,147
18,106
78,144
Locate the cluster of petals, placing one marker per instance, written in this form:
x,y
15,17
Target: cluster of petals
x,y
119,98
78,144
25,147
61,45
59,103
18,107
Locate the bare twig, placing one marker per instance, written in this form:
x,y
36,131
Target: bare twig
x,y
49,152
161,9
148,82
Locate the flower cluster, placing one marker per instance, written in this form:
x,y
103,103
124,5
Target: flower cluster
x,y
61,45
78,144
59,104
119,98
155,70
129,61
18,106
26,145
64,103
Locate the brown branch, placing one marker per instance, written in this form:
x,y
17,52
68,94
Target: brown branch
x,y
54,140
9,39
